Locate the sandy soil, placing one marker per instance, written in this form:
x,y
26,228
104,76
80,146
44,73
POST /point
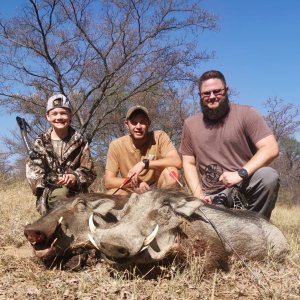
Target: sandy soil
x,y
24,251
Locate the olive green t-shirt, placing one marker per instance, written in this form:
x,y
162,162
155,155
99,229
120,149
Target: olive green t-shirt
x,y
59,147
123,155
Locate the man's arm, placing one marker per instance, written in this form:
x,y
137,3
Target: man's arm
x,y
267,151
111,180
191,176
172,159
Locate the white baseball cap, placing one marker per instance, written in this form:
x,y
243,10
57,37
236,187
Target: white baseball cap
x,y
58,100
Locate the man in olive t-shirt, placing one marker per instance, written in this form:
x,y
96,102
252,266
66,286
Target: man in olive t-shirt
x,y
226,149
147,157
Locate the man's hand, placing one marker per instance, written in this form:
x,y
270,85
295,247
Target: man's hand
x,y
67,180
136,169
207,199
142,188
230,179
202,197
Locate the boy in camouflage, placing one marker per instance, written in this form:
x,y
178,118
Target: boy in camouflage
x,y
63,164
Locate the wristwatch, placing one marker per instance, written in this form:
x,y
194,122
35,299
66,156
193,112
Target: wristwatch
x,y
146,163
243,173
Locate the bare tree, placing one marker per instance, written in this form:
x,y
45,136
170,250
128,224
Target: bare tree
x,y
288,167
283,118
5,168
101,54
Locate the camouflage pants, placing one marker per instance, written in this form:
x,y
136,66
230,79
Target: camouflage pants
x,y
47,199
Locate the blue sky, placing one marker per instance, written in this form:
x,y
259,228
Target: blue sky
x,y
257,47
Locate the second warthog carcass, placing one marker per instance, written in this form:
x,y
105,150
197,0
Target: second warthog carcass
x,y
158,223
60,238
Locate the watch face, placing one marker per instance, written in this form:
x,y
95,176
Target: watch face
x,y
146,162
243,173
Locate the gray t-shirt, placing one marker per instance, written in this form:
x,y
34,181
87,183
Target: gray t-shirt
x,y
229,143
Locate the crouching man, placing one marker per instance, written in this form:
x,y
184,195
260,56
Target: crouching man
x,y
227,148
145,157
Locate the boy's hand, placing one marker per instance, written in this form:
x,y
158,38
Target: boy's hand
x,y
68,180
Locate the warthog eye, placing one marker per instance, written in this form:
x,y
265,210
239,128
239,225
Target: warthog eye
x,y
164,209
109,218
164,213
166,203
153,214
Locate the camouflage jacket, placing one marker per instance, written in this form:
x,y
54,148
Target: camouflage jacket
x,y
76,160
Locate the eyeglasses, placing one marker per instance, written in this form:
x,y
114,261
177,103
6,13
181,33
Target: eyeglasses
x,y
216,92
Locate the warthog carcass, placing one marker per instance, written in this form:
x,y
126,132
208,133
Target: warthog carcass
x,y
60,238
157,223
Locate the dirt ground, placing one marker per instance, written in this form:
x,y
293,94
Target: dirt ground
x,y
23,277
25,251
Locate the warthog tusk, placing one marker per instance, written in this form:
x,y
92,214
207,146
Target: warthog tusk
x,y
60,220
45,252
53,243
112,262
151,236
144,248
93,241
91,224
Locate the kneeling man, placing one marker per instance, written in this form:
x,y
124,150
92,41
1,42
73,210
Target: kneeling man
x,y
146,157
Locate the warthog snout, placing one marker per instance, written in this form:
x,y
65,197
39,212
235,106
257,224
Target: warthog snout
x,y
35,236
113,242
60,238
115,250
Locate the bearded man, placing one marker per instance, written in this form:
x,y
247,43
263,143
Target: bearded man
x,y
226,150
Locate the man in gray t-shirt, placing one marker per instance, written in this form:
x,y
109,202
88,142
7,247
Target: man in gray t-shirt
x,y
226,149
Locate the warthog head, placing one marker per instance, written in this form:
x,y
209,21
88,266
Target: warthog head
x,y
154,224
148,227
63,232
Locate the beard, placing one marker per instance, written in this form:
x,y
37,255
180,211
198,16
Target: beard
x,y
215,114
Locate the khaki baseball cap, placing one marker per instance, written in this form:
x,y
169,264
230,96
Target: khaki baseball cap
x,y
135,108
58,100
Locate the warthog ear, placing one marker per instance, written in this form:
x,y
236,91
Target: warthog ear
x,y
105,207
185,207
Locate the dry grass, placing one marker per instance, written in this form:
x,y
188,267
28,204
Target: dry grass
x,y
22,278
